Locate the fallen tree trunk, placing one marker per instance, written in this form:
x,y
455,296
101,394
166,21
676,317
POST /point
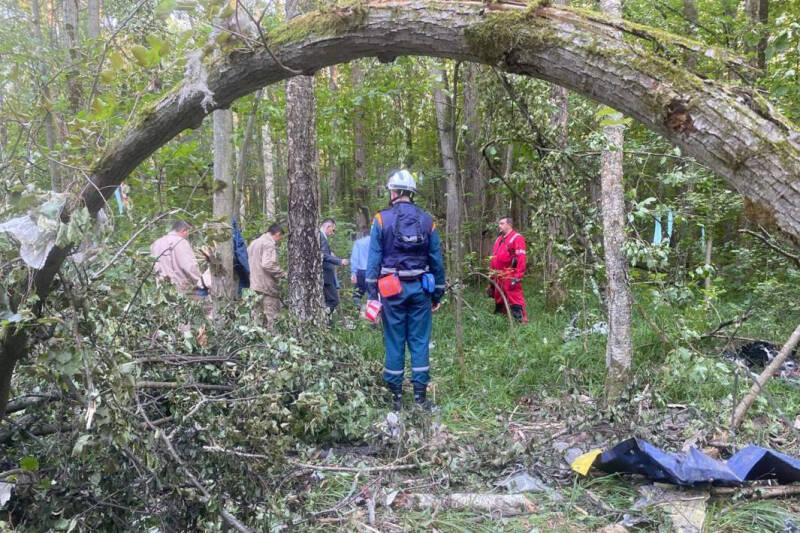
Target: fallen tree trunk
x,y
495,504
733,131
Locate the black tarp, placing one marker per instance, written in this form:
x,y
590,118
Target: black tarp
x,y
637,456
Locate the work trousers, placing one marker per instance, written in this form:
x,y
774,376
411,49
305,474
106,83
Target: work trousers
x,y
267,310
407,319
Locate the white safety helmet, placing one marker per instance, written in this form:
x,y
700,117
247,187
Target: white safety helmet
x,y
401,180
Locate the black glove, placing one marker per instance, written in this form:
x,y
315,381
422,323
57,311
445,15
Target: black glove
x,y
490,291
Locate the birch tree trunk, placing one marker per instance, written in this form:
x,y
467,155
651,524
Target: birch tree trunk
x,y
305,259
619,349
223,287
269,173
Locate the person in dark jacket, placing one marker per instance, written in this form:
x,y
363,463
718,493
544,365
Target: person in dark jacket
x,y
405,265
330,283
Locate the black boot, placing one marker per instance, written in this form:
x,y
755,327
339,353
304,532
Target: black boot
x,y
420,397
397,397
516,312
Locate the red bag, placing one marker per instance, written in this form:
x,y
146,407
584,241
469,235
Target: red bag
x,y
373,310
389,286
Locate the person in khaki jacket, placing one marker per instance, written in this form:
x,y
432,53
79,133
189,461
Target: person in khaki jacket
x,y
175,259
265,273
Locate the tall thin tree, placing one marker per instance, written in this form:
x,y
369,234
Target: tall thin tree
x,y
619,349
305,259
222,267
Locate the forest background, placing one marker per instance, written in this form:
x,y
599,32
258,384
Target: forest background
x,y
119,417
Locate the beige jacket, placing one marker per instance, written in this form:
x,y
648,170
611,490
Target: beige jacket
x,y
265,272
175,260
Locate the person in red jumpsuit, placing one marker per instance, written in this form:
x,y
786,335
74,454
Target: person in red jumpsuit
x,y
507,266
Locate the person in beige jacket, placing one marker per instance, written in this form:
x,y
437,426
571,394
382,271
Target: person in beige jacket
x,y
175,259
266,273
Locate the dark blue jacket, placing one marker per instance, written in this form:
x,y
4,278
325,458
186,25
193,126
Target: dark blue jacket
x,y
385,257
329,262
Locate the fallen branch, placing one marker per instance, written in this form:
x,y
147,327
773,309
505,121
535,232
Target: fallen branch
x,y
176,385
24,402
768,372
502,293
495,504
767,239
113,260
387,468
757,493
226,516
38,431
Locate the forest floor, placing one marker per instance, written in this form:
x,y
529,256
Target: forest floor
x,y
528,399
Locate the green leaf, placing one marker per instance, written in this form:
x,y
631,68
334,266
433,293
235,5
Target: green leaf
x,y
164,8
116,60
140,53
29,463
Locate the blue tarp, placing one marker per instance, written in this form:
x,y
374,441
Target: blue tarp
x,y
754,462
241,266
636,456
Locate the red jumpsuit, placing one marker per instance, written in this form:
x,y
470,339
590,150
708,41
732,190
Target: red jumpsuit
x,y
506,247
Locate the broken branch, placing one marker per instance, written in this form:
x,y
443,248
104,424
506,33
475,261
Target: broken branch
x,y
768,372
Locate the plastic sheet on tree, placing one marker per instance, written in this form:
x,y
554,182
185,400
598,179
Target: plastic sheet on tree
x,y
36,232
636,456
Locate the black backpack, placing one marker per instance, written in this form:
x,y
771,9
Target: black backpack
x,y
409,236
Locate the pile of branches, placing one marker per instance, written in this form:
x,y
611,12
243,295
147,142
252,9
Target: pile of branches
x,y
143,413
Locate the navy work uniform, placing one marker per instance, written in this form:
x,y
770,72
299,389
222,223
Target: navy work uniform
x,y
404,241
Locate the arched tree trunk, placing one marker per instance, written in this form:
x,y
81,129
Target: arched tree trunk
x,y
733,131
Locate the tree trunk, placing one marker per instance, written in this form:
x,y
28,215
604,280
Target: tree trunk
x,y
690,14
71,44
447,145
269,173
445,122
305,259
223,286
242,166
474,180
556,293
758,12
360,153
619,349
92,19
51,131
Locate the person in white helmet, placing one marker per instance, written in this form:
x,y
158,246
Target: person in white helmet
x,y
405,266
